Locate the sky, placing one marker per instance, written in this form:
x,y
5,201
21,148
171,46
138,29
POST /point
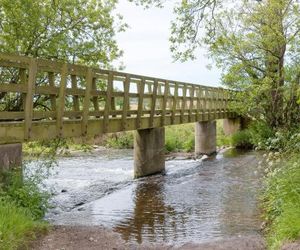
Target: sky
x,y
146,47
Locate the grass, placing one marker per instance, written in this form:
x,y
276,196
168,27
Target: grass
x,y
281,202
17,226
22,207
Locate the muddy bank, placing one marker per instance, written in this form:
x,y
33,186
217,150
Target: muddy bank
x,y
291,246
92,238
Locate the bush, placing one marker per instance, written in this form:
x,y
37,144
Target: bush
x,y
260,134
242,139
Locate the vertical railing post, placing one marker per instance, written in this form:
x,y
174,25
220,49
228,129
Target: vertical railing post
x,y
164,103
153,103
192,92
199,90
86,102
175,100
95,98
23,81
75,97
29,98
140,103
107,108
61,100
125,101
52,84
184,90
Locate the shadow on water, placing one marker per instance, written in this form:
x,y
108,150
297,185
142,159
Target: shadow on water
x,y
194,201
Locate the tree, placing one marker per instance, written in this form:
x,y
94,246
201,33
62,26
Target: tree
x,y
78,31
73,30
256,43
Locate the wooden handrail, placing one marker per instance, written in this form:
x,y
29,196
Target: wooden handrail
x,y
85,101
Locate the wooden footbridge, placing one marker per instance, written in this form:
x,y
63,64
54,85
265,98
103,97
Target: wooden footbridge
x,y
46,99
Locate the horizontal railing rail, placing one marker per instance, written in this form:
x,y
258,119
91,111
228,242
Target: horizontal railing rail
x,y
44,99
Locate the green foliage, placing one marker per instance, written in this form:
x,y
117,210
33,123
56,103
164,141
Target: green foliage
x,y
120,140
281,202
250,41
25,189
23,203
222,139
260,134
285,140
17,226
177,138
76,31
180,138
45,147
53,147
26,194
241,139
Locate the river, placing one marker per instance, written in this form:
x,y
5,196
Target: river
x,y
194,201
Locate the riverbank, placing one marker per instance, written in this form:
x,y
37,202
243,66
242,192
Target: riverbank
x,y
95,238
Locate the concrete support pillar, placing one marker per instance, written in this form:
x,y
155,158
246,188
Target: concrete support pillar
x,y
232,125
149,155
10,156
205,138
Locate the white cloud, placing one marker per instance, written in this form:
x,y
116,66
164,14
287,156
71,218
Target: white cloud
x,y
146,47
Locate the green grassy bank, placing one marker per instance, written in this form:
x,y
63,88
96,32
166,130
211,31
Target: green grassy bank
x,y
280,199
22,208
281,202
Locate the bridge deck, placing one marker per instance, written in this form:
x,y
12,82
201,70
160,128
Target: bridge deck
x,y
43,99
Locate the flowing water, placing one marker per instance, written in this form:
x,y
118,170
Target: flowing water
x,y
194,201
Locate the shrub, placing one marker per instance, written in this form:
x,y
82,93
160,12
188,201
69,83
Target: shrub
x,y
241,139
260,134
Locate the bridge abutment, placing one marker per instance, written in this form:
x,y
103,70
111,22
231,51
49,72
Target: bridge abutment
x,y
205,138
10,156
149,155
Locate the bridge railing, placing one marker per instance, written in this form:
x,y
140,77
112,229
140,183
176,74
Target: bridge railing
x,y
44,92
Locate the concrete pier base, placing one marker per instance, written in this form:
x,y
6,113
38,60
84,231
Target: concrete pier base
x,y
205,138
232,125
149,155
10,156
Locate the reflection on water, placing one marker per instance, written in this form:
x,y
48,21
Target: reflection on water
x,y
194,201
